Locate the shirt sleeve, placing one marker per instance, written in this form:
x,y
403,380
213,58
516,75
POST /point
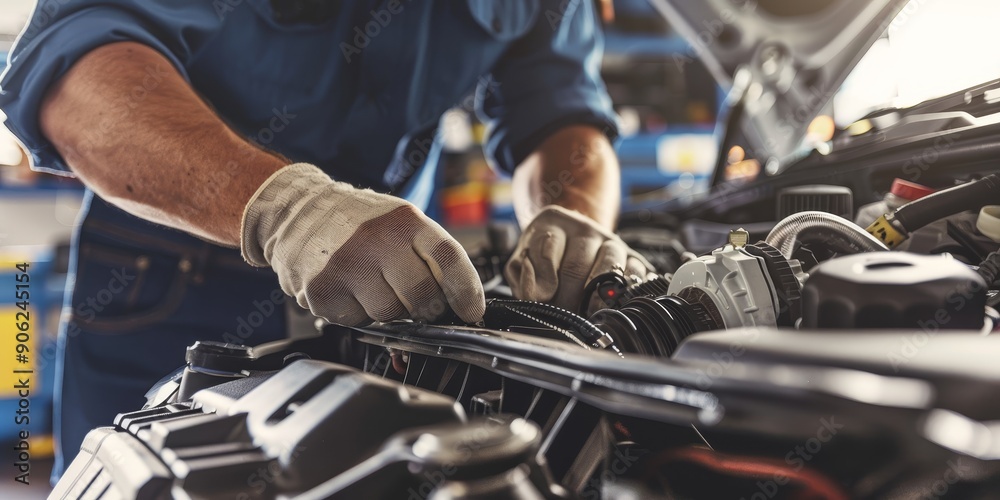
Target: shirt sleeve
x,y
59,33
547,79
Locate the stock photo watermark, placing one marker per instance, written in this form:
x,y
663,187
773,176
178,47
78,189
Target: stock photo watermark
x,y
620,462
911,345
798,457
711,32
248,323
364,34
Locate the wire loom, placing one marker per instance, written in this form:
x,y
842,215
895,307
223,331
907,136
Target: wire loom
x,y
653,325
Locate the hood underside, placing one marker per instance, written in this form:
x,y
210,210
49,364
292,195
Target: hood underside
x,y
781,60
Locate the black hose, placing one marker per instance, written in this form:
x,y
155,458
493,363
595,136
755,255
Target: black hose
x,y
969,196
830,239
989,269
498,311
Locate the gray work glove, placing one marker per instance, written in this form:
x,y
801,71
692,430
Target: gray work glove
x,y
349,254
560,252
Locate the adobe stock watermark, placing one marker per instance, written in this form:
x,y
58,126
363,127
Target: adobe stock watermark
x,y
921,162
219,179
910,345
434,478
723,361
419,150
248,323
583,156
555,16
364,34
940,487
724,193
797,118
621,462
710,31
267,475
45,12
485,87
224,7
480,440
797,458
86,310
904,15
279,120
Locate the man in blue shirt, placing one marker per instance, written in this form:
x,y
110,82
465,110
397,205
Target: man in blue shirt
x,y
274,127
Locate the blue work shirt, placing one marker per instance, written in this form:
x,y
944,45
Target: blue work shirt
x,y
359,95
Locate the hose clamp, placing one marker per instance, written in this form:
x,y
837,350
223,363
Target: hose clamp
x,y
888,231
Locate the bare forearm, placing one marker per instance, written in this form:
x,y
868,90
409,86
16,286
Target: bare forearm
x,y
575,168
135,132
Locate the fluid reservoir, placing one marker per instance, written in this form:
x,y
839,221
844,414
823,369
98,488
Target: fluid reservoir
x,y
901,193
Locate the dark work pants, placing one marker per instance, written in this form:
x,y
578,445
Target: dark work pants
x,y
140,294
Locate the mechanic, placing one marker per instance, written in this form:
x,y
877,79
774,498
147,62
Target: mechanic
x,y
275,127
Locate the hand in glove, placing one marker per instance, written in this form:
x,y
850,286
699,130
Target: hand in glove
x,y
349,254
560,252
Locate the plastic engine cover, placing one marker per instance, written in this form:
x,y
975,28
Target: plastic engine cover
x,y
894,290
288,434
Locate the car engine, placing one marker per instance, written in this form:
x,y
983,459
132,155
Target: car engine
x,y
806,358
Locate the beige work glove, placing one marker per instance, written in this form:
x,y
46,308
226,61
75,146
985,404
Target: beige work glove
x,y
560,252
348,254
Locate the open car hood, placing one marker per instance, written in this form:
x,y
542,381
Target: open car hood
x,y
782,60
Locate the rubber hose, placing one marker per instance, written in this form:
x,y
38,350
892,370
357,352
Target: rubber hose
x,y
785,233
989,269
830,239
969,196
555,315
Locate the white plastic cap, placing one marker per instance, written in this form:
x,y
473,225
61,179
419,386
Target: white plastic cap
x,y
988,222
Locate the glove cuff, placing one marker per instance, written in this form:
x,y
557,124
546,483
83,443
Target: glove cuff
x,y
263,214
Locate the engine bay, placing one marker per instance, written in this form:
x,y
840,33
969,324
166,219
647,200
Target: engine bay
x,y
817,359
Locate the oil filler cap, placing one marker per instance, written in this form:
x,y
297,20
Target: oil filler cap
x,y
988,222
893,290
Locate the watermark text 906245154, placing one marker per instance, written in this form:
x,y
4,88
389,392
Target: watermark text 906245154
x,y
21,371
